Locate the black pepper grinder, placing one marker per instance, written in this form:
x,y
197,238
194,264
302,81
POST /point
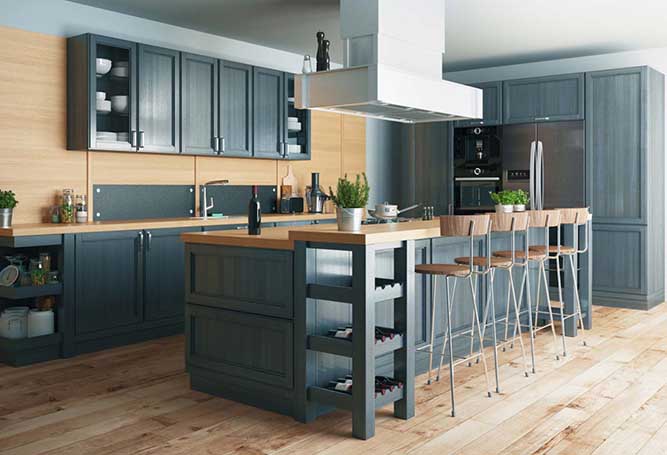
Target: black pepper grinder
x,y
327,59
254,213
320,57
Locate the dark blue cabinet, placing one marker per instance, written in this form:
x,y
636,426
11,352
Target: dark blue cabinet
x,y
545,99
492,105
268,113
199,105
236,109
625,174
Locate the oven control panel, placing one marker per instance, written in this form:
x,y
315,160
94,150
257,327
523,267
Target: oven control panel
x,y
518,174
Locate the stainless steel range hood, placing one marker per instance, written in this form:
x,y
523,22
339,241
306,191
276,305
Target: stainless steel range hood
x,y
393,52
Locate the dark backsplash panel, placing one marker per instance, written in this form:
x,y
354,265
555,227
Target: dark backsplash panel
x,y
233,199
131,202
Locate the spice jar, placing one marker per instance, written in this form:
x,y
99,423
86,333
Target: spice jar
x,y
81,208
67,207
37,273
46,261
55,214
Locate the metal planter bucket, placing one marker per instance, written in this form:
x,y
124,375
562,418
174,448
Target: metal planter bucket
x,y
5,218
349,219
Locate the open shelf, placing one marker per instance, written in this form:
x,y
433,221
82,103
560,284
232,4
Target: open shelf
x,y
385,289
26,292
342,400
343,347
26,351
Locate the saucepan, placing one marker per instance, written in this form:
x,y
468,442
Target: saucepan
x,y
387,211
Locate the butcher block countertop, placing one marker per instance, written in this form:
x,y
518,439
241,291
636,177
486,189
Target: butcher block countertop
x,y
283,238
19,230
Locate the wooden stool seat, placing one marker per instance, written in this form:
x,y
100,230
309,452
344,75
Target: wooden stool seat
x,y
520,254
481,261
553,249
443,269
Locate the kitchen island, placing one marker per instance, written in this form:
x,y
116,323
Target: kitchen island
x,y
259,310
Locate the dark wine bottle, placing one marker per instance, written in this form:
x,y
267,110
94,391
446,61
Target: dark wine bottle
x,y
254,214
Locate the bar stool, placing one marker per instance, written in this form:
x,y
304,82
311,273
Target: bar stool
x,y
487,266
544,220
470,226
573,217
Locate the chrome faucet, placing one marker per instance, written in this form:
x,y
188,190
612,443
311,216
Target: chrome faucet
x,y
204,203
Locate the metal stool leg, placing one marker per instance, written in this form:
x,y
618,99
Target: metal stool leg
x,y
472,333
507,317
551,315
492,310
479,334
431,346
562,304
518,322
576,296
448,305
451,296
530,316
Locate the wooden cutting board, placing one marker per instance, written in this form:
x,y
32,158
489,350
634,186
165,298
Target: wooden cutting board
x,y
290,179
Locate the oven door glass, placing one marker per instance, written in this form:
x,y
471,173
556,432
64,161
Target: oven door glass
x,y
476,195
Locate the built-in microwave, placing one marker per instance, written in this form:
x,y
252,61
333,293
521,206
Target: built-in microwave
x,y
473,194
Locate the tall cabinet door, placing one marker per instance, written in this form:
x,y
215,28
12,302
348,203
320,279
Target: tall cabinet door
x,y
235,109
159,87
199,105
164,279
108,281
268,113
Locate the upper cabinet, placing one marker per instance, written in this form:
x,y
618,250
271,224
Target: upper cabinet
x,y
544,99
124,96
268,113
492,105
199,105
236,94
101,94
159,94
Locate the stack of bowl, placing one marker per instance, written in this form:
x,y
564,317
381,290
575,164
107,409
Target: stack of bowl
x,y
102,66
102,105
120,69
119,104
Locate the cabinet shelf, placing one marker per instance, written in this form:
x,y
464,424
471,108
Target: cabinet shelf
x,y
26,292
342,400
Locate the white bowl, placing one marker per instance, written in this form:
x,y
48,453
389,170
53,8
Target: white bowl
x,y
103,106
119,103
120,71
100,95
102,66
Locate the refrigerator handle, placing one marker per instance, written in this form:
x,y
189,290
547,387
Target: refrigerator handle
x,y
540,167
531,172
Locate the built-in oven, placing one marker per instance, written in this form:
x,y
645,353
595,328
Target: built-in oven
x,y
477,168
473,194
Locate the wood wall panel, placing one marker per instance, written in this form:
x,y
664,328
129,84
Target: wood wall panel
x,y
33,160
353,145
36,165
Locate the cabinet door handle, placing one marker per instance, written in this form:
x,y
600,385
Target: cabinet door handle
x,y
141,243
222,145
216,144
541,118
141,139
149,240
133,138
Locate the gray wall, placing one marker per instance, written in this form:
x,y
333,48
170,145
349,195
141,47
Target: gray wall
x,y
386,147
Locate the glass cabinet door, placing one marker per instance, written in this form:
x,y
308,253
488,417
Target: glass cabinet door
x,y
113,101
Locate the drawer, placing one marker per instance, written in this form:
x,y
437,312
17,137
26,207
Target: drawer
x,y
246,346
250,280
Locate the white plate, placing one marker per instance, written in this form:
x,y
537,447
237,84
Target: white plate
x,y
9,275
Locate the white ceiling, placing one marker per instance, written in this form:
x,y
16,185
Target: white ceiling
x,y
479,33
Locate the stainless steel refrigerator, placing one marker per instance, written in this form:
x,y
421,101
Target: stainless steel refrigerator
x,y
547,160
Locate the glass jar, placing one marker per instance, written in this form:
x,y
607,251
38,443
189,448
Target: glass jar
x,y
46,261
67,207
81,208
37,272
52,277
55,214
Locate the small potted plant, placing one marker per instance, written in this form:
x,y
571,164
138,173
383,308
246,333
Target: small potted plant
x,y
350,198
504,201
7,203
520,200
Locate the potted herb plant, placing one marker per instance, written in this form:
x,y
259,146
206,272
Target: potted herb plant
x,y
7,203
350,198
504,201
520,201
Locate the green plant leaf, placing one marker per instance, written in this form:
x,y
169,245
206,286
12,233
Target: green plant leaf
x,y
7,199
351,194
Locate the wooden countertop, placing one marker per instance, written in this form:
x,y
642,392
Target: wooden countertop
x,y
107,226
283,238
